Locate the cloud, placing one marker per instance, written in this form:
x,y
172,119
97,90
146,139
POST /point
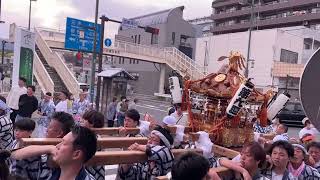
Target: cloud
x,y
47,13
50,13
53,13
148,3
194,8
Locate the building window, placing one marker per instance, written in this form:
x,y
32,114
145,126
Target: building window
x,y
135,38
119,60
289,56
130,61
173,38
183,39
139,38
307,46
122,60
137,61
154,38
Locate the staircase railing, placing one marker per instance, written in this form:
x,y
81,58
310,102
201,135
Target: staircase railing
x,y
183,64
55,60
139,49
170,55
42,76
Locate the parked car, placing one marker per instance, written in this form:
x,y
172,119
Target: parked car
x,y
292,114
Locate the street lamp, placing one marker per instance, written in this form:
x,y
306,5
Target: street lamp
x,y
0,14
30,14
246,72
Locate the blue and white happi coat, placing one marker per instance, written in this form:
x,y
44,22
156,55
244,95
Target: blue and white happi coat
x,y
48,108
79,108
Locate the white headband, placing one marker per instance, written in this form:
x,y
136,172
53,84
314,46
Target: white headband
x,y
162,137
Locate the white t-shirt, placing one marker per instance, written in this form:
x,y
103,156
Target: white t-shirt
x,y
281,137
312,131
144,128
14,95
62,106
181,120
276,176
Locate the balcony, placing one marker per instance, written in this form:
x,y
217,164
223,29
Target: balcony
x,y
265,8
281,69
264,23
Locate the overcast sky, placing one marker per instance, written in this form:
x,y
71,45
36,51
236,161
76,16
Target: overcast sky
x,y
53,13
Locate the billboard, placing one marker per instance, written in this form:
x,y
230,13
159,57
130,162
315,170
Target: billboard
x,y
80,35
24,44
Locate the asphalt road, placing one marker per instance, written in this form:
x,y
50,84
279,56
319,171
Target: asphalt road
x,y
159,109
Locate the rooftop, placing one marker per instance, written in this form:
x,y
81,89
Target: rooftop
x,y
159,17
115,72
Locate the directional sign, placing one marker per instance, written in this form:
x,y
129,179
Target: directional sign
x,y
129,24
80,35
107,42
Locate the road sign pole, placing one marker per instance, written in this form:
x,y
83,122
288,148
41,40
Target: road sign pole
x,y
103,18
93,64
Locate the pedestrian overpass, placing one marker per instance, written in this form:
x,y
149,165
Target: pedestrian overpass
x,y
50,66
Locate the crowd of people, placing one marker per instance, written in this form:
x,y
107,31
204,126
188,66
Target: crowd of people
x,y
280,158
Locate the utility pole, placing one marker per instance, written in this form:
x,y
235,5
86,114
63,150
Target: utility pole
x,y
0,14
103,20
93,64
30,14
2,56
206,56
246,73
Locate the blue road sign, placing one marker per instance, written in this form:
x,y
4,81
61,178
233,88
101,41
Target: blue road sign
x,y
129,24
80,35
107,42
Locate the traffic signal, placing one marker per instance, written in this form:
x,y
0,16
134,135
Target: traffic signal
x,y
151,30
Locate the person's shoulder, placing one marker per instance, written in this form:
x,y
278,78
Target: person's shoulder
x,y
24,95
88,176
310,171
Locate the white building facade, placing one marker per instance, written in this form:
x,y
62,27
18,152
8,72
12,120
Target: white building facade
x,y
277,56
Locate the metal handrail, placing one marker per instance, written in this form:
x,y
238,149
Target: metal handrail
x,y
42,76
169,55
56,61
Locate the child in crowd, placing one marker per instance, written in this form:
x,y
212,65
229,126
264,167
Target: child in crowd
x,y
94,119
251,160
192,166
160,158
22,129
280,154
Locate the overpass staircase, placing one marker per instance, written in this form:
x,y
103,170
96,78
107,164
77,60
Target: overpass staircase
x,y
47,41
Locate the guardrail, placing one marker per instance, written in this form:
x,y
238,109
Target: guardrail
x,y
139,49
183,64
44,79
56,61
170,55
